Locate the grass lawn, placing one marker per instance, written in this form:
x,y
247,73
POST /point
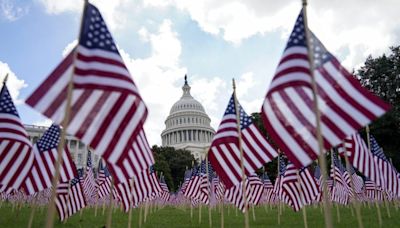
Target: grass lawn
x,y
179,217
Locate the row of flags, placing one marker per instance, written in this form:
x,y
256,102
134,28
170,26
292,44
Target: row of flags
x,y
93,97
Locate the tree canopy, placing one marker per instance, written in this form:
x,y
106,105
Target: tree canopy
x,y
172,163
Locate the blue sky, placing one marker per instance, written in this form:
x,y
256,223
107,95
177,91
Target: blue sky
x,y
211,41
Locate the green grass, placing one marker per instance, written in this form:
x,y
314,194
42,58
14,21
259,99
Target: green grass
x,y
180,217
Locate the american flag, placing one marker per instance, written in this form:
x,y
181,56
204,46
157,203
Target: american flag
x,y
16,157
187,176
256,189
197,187
288,109
69,201
165,195
291,192
104,181
390,176
340,191
269,195
278,180
45,152
224,153
105,105
361,158
124,193
146,186
353,177
309,186
89,183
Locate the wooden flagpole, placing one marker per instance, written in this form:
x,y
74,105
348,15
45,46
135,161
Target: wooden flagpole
x,y
33,209
130,208
65,122
244,195
140,216
334,183
279,199
322,158
109,216
209,191
378,209
302,200
356,205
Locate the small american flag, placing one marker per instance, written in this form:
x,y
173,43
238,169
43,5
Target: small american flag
x,y
69,199
105,105
104,181
291,192
16,157
224,153
45,152
89,183
389,175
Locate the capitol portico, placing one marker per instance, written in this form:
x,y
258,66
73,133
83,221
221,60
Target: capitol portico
x,y
188,125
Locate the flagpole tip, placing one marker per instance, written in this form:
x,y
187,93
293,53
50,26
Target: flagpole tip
x,y
304,3
5,79
233,84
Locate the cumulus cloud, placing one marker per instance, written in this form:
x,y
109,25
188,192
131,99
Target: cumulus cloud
x,y
14,84
11,11
158,76
111,10
346,29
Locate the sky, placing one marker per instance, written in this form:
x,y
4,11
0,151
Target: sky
x,y
210,41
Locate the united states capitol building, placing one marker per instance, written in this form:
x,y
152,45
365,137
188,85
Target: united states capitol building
x,y
188,125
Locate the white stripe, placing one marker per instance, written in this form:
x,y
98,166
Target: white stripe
x,y
98,52
81,64
353,92
294,63
300,154
104,81
84,111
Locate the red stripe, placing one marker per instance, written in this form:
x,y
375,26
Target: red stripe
x,y
99,59
41,91
56,102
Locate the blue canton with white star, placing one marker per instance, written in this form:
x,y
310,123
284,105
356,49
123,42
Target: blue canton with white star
x,y
74,182
6,104
282,166
95,34
321,54
245,120
377,150
298,35
50,139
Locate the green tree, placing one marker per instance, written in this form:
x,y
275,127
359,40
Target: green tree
x,y
381,76
173,164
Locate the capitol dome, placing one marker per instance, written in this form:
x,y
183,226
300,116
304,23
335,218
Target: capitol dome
x,y
188,125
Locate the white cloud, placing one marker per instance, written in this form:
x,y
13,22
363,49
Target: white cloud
x,y
159,76
14,84
11,11
110,10
352,30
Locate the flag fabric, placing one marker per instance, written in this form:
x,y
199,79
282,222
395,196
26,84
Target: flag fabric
x,y
278,181
390,177
69,201
146,186
104,181
123,192
45,155
340,190
187,176
256,189
165,195
224,152
291,192
269,195
288,109
105,105
309,186
16,157
361,158
89,183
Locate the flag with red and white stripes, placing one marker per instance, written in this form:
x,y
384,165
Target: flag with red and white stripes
x,y
224,152
103,181
288,109
340,191
390,177
16,157
89,183
69,199
105,105
45,152
256,189
291,191
361,158
309,186
165,195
